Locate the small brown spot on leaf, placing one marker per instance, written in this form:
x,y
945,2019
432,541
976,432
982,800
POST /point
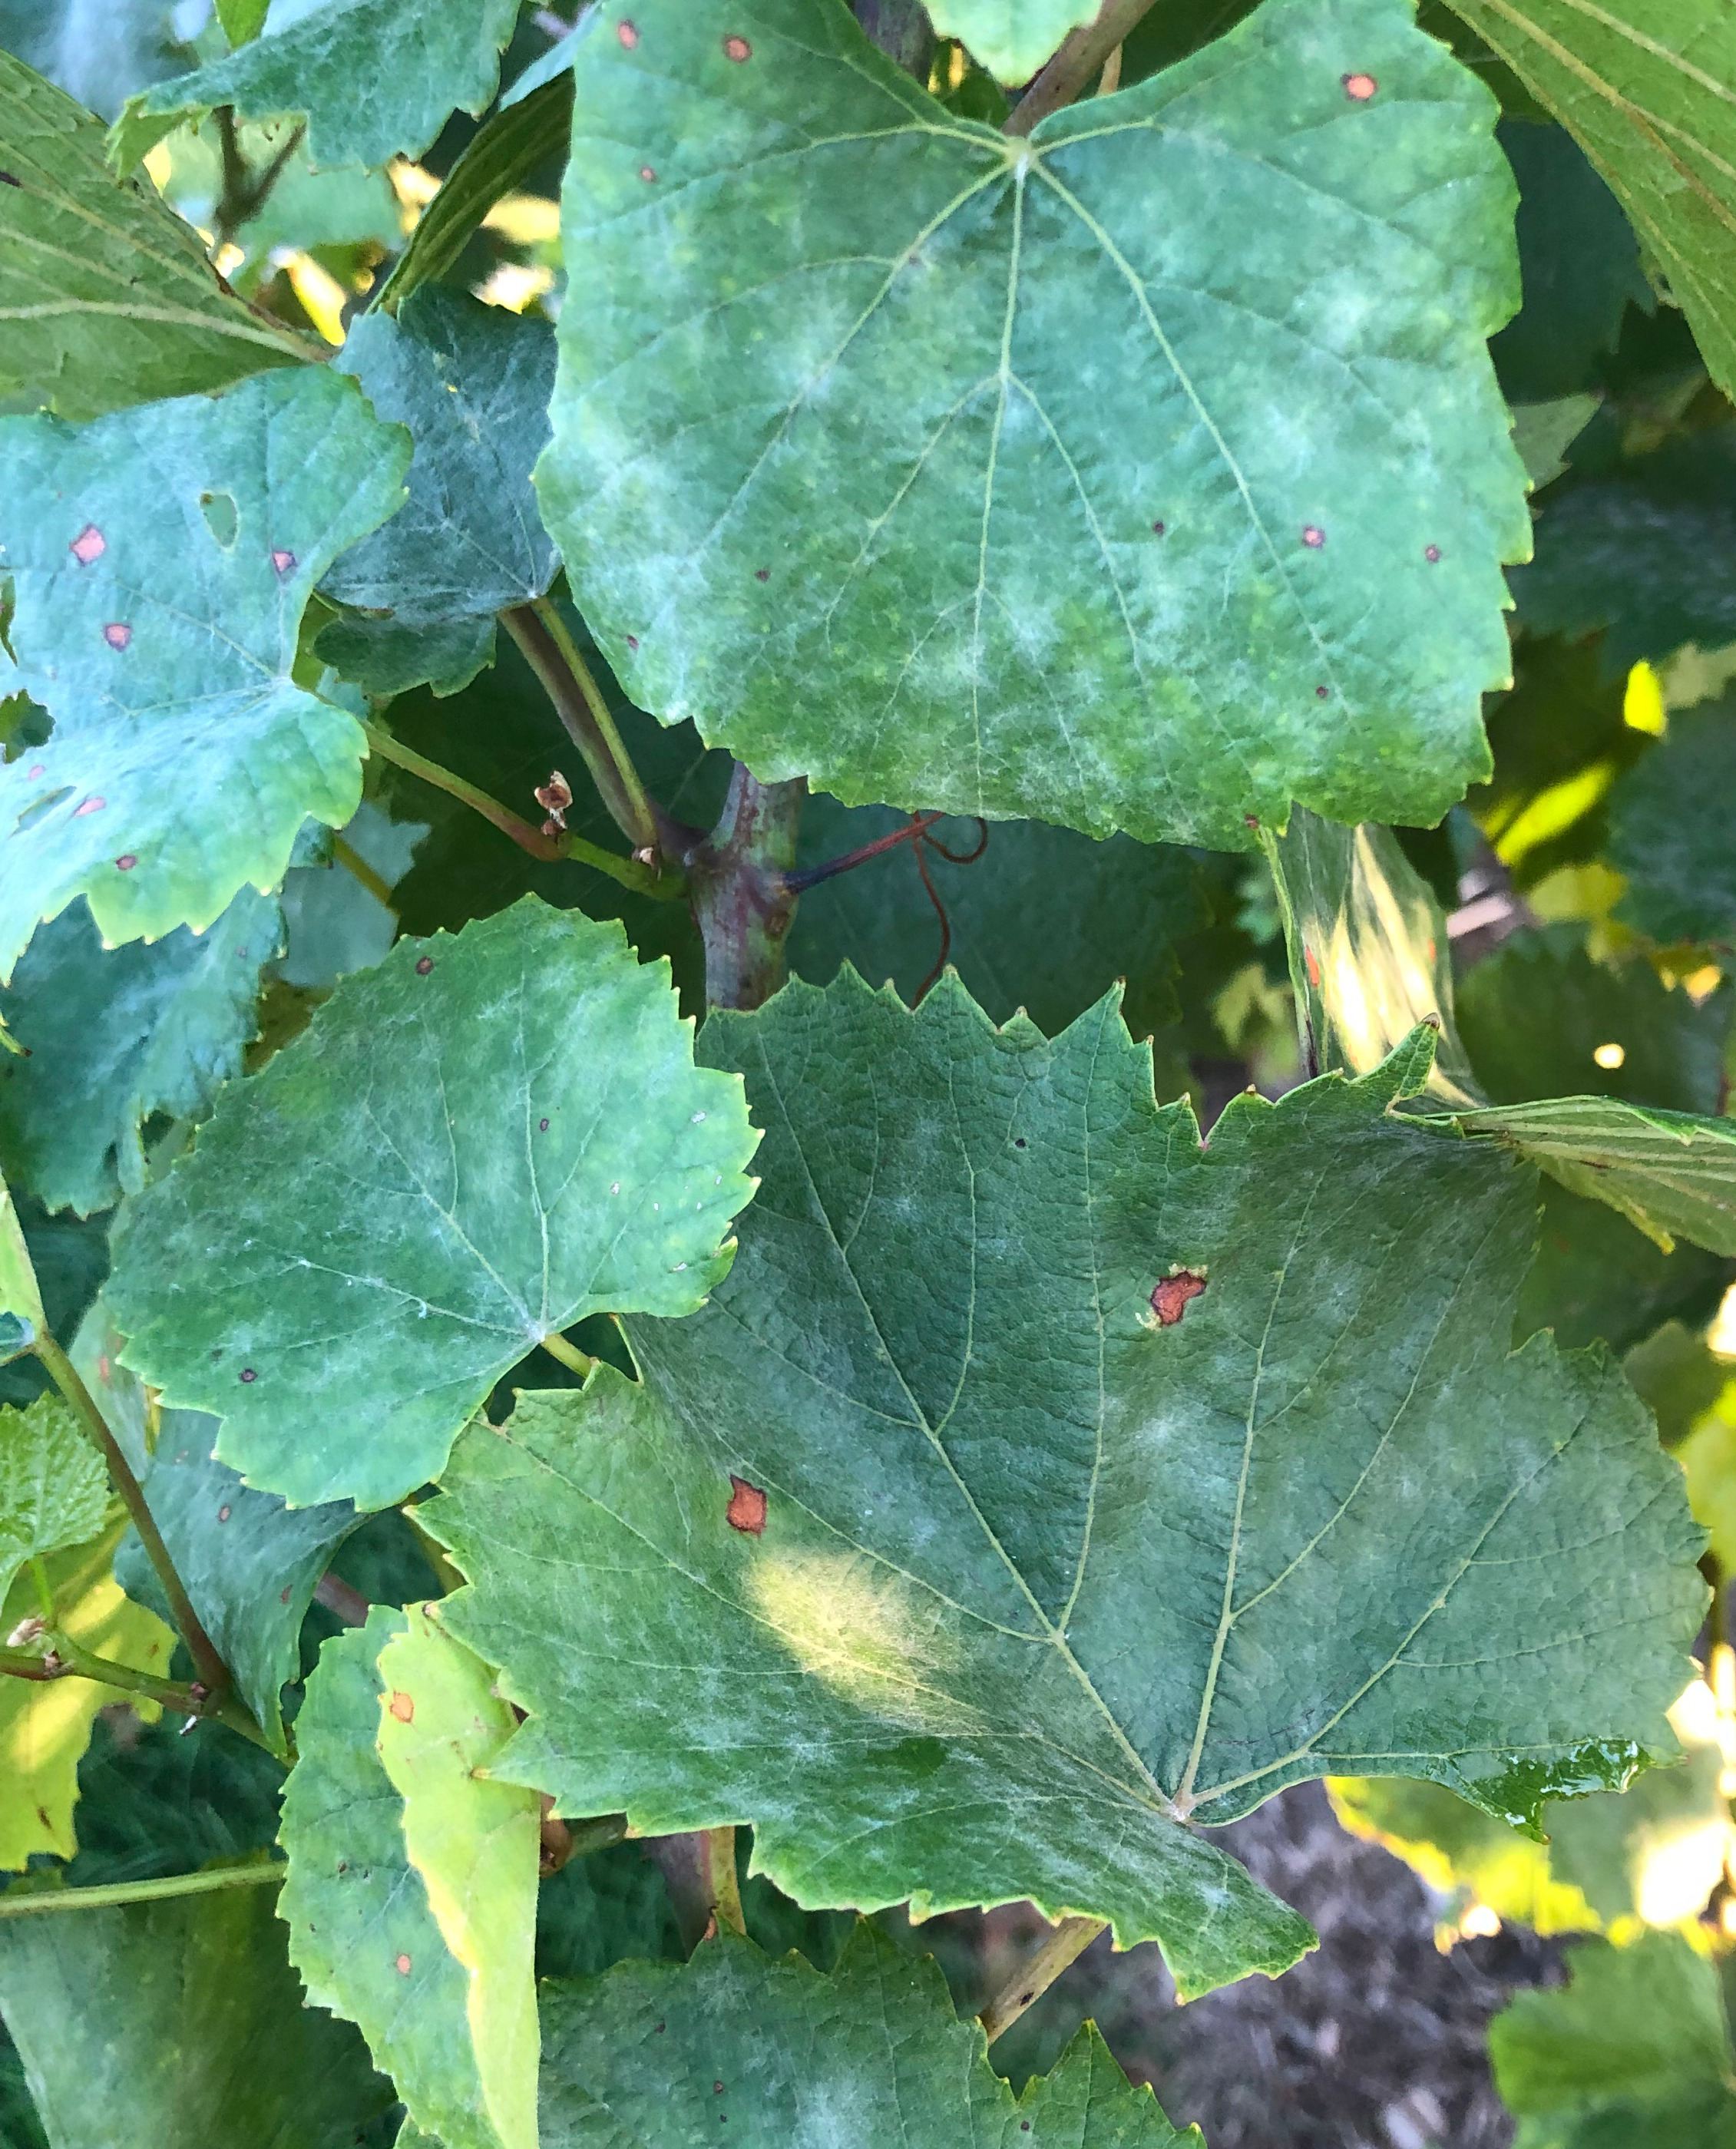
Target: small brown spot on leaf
x,y
284,563
42,1815
746,1509
648,174
716,2089
403,1966
283,1597
1157,529
224,1514
103,1369
404,1708
738,48
660,2028
542,1126
90,805
117,635
1322,693
425,966
1173,1295
125,864
7,179
1360,87
628,33
247,1376
1313,537
90,544
762,574
1431,553
1252,820
632,642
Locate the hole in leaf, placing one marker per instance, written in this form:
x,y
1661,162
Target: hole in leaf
x,y
221,520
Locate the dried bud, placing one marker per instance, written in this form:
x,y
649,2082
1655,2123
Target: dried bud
x,y
554,796
648,857
24,1634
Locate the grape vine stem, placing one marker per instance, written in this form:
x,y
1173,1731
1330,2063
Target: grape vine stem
x,y
1066,1944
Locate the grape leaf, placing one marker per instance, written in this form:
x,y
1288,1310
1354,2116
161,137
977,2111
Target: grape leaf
x,y
1045,919
1369,956
1579,264
472,384
1643,550
1011,37
472,1147
663,2055
44,1730
1670,819
385,658
205,2038
1667,1172
161,559
106,296
1644,87
1636,2050
98,55
1008,1369
53,1488
337,914
251,1564
411,1896
1655,1851
115,1034
373,79
1534,1013
936,487
67,1258
1598,1277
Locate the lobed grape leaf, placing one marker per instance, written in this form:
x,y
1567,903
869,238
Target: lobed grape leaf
x,y
338,915
411,1896
1669,832
1644,87
1636,2050
113,1035
471,383
250,1564
106,297
373,79
1012,39
852,465
161,559
205,2037
45,1729
665,2055
54,1487
471,1148
1008,1369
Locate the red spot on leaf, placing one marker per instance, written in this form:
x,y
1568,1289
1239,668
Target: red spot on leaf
x,y
403,1966
1431,553
1360,87
283,561
1252,820
125,864
425,966
1174,1294
117,634
224,1514
632,642
1313,962
746,1509
90,544
39,770
648,174
738,48
1157,530
103,1369
403,1706
1322,693
247,1376
542,1126
90,805
762,574
628,34
1313,537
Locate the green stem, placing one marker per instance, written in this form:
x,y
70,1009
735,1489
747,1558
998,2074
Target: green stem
x,y
579,705
641,879
44,1593
644,819
566,1354
741,893
1066,1943
214,1672
65,1659
31,1902
1078,64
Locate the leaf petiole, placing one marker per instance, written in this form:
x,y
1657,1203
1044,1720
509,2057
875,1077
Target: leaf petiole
x,y
27,1903
1066,1944
553,655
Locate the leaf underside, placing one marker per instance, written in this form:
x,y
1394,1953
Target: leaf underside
x,y
1053,478
1021,1371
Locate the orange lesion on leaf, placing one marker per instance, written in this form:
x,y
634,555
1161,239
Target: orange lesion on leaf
x,y
746,1509
1175,1294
